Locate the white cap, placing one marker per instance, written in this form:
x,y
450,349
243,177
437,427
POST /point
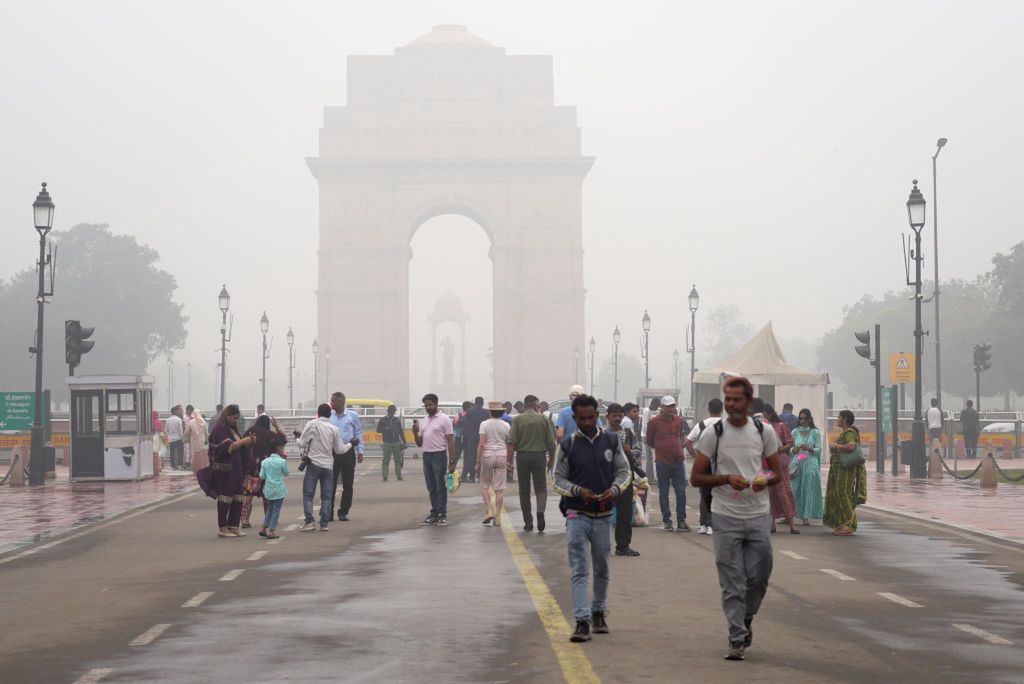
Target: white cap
x,y
576,389
668,401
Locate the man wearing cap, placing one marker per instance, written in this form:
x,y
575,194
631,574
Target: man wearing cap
x,y
565,426
665,434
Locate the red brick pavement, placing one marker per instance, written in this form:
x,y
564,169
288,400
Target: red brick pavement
x,y
998,511
32,514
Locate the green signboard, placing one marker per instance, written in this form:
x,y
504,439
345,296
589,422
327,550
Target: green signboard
x,y
17,411
888,395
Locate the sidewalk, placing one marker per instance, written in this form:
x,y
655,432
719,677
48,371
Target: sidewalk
x,y
998,511
32,514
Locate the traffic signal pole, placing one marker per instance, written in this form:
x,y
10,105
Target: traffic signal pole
x,y
879,428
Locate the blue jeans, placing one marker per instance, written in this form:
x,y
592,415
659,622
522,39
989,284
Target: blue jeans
x,y
589,539
325,476
435,469
672,475
273,513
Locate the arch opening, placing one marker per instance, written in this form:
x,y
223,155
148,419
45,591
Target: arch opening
x,y
451,309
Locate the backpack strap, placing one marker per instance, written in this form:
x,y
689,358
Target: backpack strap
x,y
719,431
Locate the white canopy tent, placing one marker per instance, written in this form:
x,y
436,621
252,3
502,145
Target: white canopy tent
x,y
762,362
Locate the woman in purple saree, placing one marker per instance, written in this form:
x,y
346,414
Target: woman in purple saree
x,y
224,479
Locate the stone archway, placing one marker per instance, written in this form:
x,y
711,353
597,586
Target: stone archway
x,y
450,124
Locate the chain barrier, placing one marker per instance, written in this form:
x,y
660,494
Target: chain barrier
x,y
14,463
1002,472
953,474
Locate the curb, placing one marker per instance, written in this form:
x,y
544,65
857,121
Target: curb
x,y
949,525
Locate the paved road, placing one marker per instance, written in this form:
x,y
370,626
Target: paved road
x,y
381,599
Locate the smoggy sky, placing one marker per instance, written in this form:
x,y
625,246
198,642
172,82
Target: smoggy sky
x,y
761,150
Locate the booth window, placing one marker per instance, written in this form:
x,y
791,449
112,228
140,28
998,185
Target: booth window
x,y
147,412
122,417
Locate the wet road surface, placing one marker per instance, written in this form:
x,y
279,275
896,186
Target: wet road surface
x,y
382,599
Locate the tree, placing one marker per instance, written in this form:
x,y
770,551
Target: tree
x,y
104,280
966,314
1007,324
726,332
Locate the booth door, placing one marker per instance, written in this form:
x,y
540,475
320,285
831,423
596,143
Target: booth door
x,y
87,434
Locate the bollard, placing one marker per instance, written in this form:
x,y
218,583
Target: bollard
x,y
1007,451
935,462
988,472
20,453
961,450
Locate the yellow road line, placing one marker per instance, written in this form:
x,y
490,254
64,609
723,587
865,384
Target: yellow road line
x,y
576,667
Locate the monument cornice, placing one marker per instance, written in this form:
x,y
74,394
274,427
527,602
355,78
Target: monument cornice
x,y
428,169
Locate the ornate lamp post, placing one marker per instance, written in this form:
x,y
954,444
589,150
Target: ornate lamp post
x,y
692,343
935,227
646,351
316,372
290,338
224,303
42,213
593,348
916,215
616,338
264,327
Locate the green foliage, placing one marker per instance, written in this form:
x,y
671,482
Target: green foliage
x,y
988,309
104,280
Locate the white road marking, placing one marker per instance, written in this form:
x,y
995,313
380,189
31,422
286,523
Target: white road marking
x,y
793,554
838,575
896,598
94,675
231,574
275,541
150,635
257,555
292,527
987,636
197,600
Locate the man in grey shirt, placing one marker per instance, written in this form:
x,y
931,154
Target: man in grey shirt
x,y
729,459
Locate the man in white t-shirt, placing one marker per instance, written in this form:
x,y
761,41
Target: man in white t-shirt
x,y
714,415
934,418
729,459
174,428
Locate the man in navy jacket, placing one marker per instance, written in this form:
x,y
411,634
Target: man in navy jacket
x,y
590,471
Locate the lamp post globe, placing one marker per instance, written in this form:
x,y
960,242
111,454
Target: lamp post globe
x,y
290,337
42,211
224,299
646,321
694,299
916,206
616,336
264,323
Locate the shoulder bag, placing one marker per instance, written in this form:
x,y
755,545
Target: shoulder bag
x,y
852,459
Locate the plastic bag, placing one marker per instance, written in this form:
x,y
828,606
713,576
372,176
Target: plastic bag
x,y
639,514
452,481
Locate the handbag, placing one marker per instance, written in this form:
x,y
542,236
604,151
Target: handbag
x,y
220,466
253,486
853,458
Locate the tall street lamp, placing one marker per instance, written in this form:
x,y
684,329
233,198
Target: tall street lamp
x,y
616,338
692,344
916,215
935,227
646,351
316,372
264,327
290,338
224,302
593,348
42,213
327,370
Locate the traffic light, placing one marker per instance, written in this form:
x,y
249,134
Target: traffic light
x,y
982,357
864,348
76,343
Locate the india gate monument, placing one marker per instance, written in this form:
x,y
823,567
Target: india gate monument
x,y
450,124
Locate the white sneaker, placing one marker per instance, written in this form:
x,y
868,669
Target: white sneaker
x,y
709,532
308,527
703,529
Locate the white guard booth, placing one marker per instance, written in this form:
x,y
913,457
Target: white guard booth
x,y
111,427
762,362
